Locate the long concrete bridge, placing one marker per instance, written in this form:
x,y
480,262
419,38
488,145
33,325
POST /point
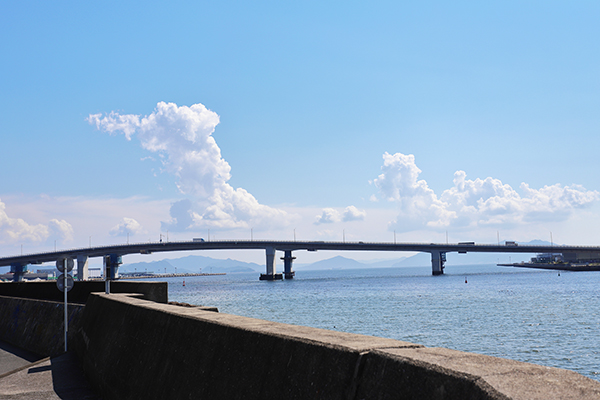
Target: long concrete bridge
x,y
112,254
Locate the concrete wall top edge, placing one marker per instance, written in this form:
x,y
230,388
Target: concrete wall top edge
x,y
37,325
505,377
36,300
226,356
47,290
355,342
515,379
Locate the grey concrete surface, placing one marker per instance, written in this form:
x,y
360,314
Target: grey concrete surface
x,y
47,290
47,379
130,347
37,325
516,380
12,358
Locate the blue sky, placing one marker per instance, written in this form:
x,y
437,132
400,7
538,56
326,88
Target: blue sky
x,y
319,105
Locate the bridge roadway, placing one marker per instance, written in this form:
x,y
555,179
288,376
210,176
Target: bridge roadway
x,y
112,254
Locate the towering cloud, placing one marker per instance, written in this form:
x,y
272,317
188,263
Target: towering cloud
x,y
418,204
182,136
472,203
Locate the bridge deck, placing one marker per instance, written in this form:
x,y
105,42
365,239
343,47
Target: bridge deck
x,y
156,247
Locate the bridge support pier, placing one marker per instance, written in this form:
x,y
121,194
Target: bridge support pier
x,y
271,274
18,270
111,269
287,265
82,268
438,258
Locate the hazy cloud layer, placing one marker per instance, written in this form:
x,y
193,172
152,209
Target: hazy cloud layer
x,y
330,215
472,203
13,230
127,226
182,136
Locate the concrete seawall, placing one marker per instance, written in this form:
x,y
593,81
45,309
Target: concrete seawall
x,y
132,348
32,313
46,290
38,325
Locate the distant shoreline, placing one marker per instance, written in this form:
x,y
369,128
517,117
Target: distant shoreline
x,y
556,267
170,275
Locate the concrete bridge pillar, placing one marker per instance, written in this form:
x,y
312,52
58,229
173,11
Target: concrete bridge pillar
x,y
271,267
111,266
82,268
438,258
18,270
271,274
287,265
111,269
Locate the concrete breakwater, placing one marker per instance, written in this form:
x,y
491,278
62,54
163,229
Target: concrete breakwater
x,y
47,290
37,325
134,348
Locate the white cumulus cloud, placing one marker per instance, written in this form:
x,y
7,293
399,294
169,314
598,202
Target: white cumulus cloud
x,y
14,230
352,213
127,226
61,229
472,203
182,136
417,202
330,215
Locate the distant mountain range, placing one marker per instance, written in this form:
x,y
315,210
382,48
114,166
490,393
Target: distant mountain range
x,y
337,262
193,264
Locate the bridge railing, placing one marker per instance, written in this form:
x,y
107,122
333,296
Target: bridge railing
x,y
439,246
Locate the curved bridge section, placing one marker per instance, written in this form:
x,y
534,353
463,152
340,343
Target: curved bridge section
x,y
112,254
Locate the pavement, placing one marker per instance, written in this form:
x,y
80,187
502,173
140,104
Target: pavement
x,y
12,358
25,376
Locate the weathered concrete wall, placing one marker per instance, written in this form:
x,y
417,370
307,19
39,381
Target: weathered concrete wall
x,y
38,325
131,348
46,290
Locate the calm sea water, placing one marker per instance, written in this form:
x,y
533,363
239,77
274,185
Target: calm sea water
x,y
527,315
